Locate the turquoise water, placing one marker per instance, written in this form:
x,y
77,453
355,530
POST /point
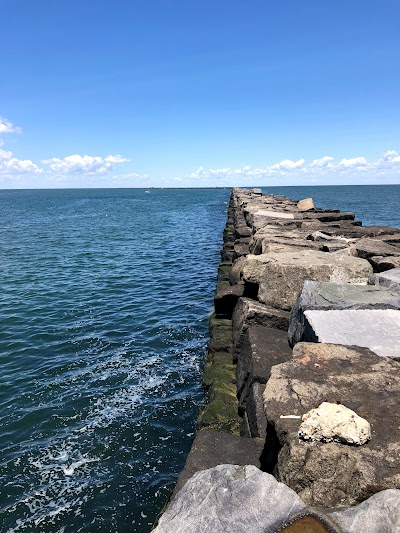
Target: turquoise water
x,y
105,297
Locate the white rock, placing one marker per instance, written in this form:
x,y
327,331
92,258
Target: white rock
x,y
333,422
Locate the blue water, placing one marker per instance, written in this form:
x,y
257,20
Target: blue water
x,y
373,204
104,303
105,297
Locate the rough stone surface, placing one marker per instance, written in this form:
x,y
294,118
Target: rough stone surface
x,y
336,475
306,204
281,276
212,448
325,296
370,247
236,271
376,329
256,419
226,298
262,349
381,264
332,422
256,190
230,498
273,214
249,312
379,514
388,280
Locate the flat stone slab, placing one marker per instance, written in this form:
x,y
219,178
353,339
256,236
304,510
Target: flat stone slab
x,y
280,276
376,329
332,474
273,214
242,499
388,280
316,295
370,247
211,448
249,312
262,349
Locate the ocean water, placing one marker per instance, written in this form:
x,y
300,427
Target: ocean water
x,y
104,302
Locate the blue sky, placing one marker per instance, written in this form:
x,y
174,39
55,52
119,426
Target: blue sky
x,y
96,93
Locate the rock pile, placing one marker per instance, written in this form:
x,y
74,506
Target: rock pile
x,y
322,419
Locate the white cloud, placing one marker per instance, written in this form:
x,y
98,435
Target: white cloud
x,y
8,127
323,162
288,164
85,164
354,162
389,155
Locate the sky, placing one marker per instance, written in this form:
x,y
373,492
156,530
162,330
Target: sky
x,y
186,93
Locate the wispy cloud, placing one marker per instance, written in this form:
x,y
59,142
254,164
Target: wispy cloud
x,y
8,127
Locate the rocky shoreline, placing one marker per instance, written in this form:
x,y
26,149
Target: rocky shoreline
x,y
300,430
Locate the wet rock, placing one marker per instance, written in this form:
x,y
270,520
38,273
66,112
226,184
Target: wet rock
x,y
306,204
317,295
221,410
281,276
230,498
332,474
226,298
376,329
249,312
331,422
388,280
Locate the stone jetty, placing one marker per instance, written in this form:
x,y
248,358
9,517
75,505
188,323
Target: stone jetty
x,y
300,431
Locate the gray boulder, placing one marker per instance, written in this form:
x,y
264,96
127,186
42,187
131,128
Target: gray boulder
x,y
230,498
388,280
379,514
367,248
332,474
262,349
316,295
249,312
280,276
376,329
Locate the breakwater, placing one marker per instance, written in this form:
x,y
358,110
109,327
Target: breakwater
x,y
301,375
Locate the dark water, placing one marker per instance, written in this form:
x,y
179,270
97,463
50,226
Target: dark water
x,y
105,296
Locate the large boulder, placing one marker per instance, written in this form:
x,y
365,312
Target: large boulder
x,y
249,312
379,514
230,498
376,329
262,349
243,499
367,248
280,276
211,448
388,280
325,296
306,204
332,474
